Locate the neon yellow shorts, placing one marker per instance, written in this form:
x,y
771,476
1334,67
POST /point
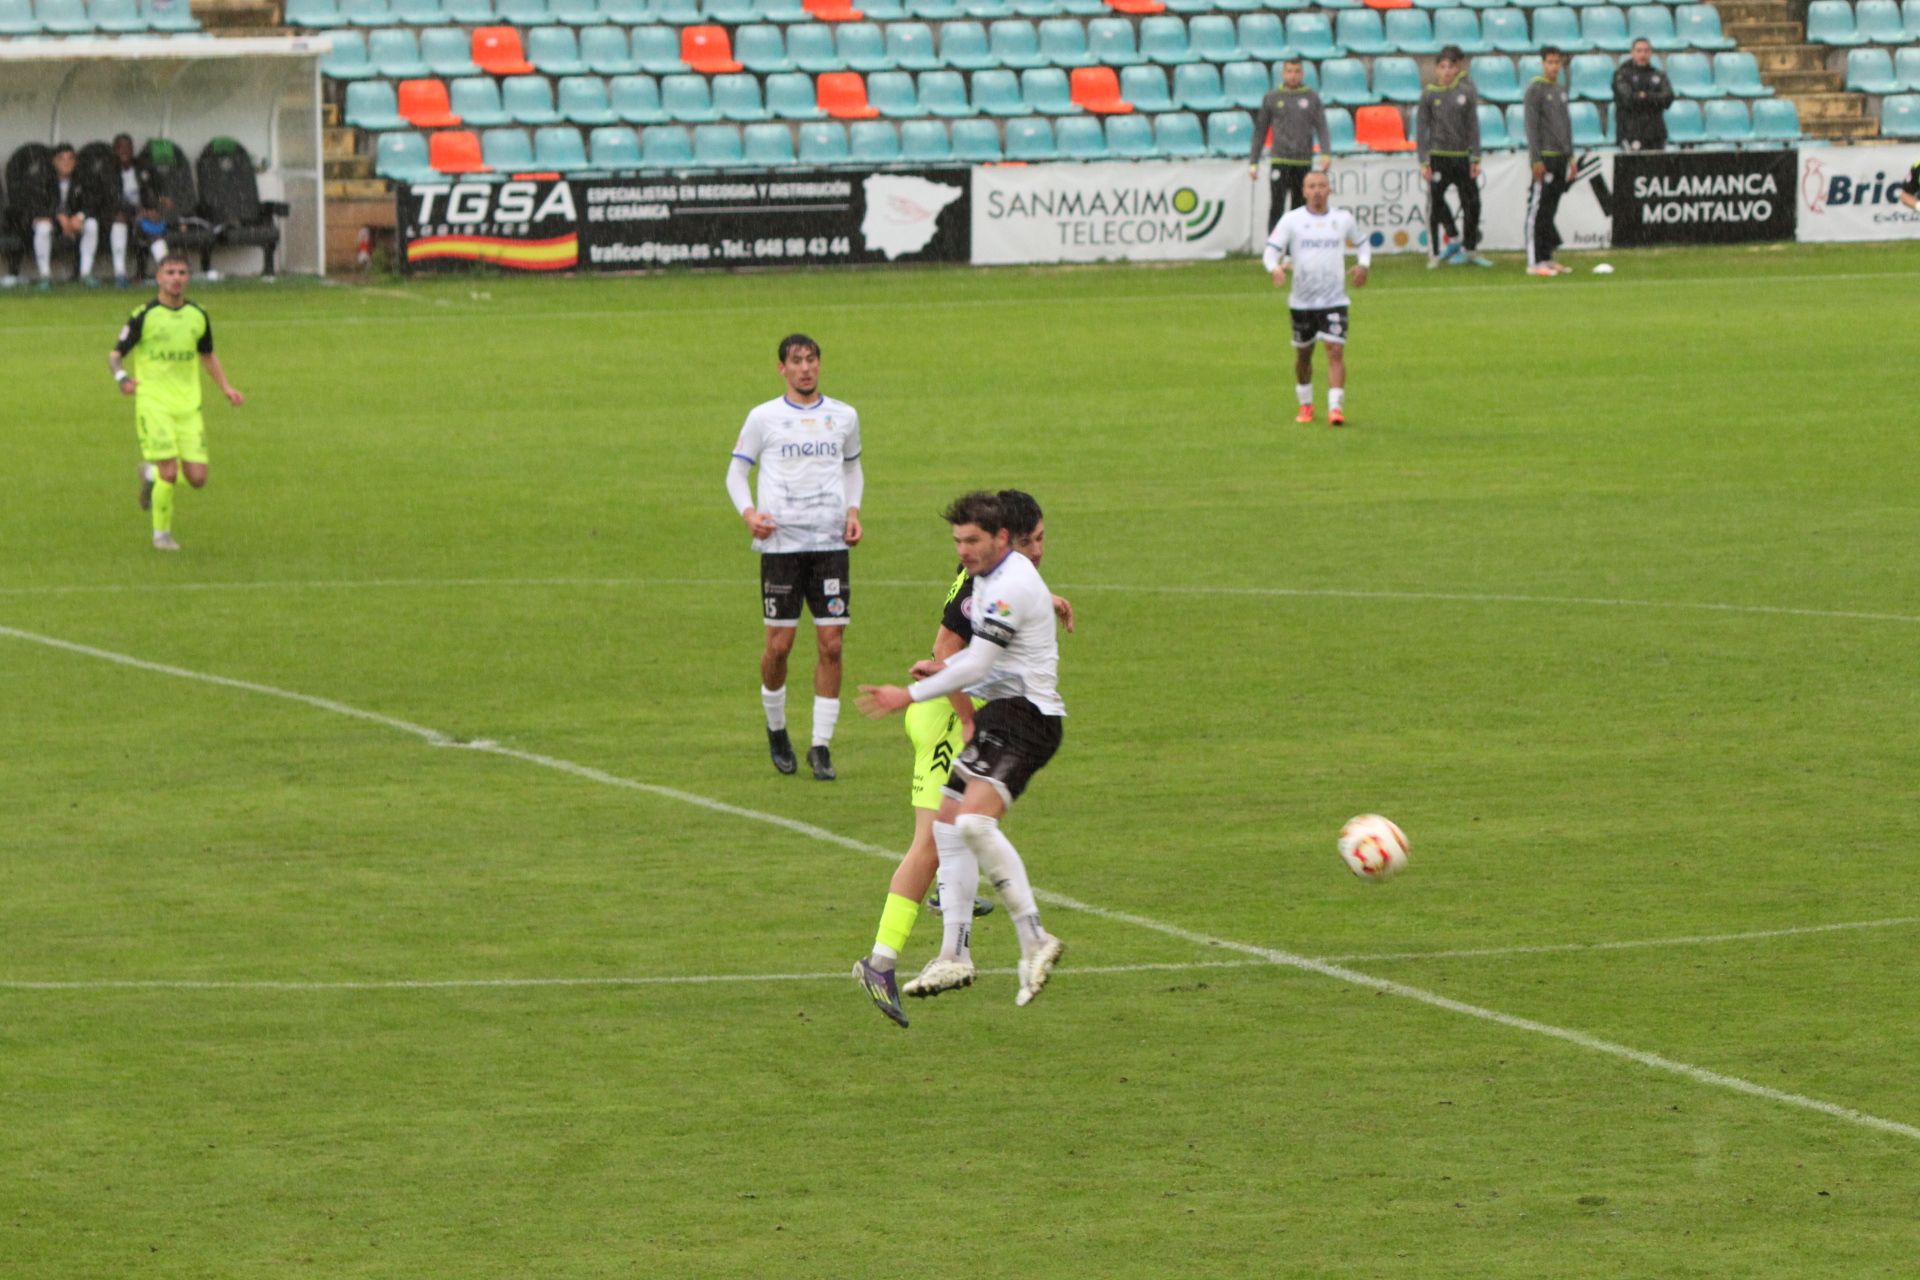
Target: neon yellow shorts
x,y
164,435
934,730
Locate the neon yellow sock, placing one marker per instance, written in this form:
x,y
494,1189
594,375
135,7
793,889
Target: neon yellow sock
x,y
896,922
162,505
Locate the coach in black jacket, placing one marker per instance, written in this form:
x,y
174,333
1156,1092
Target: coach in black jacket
x,y
1641,95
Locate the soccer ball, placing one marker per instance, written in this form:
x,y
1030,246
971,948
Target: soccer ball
x,y
1373,848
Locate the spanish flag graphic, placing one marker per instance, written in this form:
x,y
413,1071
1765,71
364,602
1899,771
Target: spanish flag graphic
x,y
561,253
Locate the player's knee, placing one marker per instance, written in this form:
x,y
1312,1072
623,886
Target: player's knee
x,y
779,641
830,642
976,829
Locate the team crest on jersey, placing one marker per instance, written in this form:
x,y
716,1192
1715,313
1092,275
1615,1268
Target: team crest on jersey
x,y
836,607
1461,99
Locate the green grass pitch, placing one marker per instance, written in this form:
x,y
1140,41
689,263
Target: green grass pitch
x,y
1607,596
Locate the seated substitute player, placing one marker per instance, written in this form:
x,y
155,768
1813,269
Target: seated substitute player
x,y
939,729
1013,661
807,447
164,337
1313,241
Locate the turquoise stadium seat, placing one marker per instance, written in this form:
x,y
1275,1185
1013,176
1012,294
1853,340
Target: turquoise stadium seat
x,y
522,13
882,10
1585,118
997,93
1906,66
1344,81
1229,133
863,47
623,13
1311,36
578,13
873,142
1197,88
1245,83
1361,31
448,52
1653,22
606,52
119,17
614,147
1605,27
1215,39
476,100
944,93
812,48
1590,77
1340,131
1911,27
1505,31
1494,76
1030,138
507,150
636,99
395,54
1776,120
1684,126
1078,8
1559,26
401,157
688,99
824,143
371,105
791,96
910,47
1062,40
470,13
1878,22
318,14
1728,121
1163,39
678,13
559,148
1461,27
1130,137
1900,116
1411,31
768,146
17,18
555,51
1081,138
1739,75
986,9
1396,80
925,142
731,13
1045,92
761,49
976,141
1699,26
1691,75
1188,6
1110,40
964,45
1177,133
894,94
529,100
1146,89
666,146
1493,129
936,9
718,146
1526,67
657,50
1263,36
1517,123
347,60
174,17
1831,22
737,98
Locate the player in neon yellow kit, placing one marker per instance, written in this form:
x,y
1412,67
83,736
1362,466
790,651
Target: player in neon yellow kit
x,y
170,340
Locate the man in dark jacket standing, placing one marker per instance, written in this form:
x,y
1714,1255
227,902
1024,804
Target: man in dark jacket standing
x,y
1641,95
1297,118
1550,152
1447,135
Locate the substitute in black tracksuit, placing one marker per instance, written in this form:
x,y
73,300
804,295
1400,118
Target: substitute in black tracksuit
x,y
1641,95
1550,151
1297,118
1447,136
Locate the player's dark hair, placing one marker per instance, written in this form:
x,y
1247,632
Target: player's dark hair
x,y
1291,62
800,340
1453,53
1641,40
1021,511
978,508
180,258
1553,51
63,148
119,138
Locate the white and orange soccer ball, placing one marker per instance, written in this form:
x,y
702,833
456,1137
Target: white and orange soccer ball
x,y
1373,847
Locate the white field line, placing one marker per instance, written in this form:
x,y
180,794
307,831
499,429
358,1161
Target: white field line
x,y
1280,593
1324,968
1635,944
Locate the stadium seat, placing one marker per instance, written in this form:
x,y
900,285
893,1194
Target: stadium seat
x,y
173,17
1653,22
1691,75
558,149
737,98
688,99
1493,129
1110,41
986,9
1739,75
1585,117
1340,131
1197,88
448,53
876,10
614,147
1684,126
657,50
1877,22
925,142
812,49
1311,36
1728,121
1605,27
910,47
1081,138
666,146
976,141
1831,22
1698,26
964,45
762,49
832,11
456,151
894,95
767,146
944,93
1145,7
1063,42
424,104
1906,68
708,50
874,142
1381,128
359,13
1229,133
476,100
1590,77
555,51
371,105
1871,71
636,99
726,13
823,144
1559,26
1030,139
1097,89
843,95
469,13
1131,137
624,13
1494,76
401,157
997,93
1262,36
606,52
318,14
123,17
1164,40
1045,92
791,96
938,10
521,13
1146,89
1361,31
718,146
529,100
1177,133
863,47
1245,84
1410,31
497,51
1461,27
677,13
1505,31
64,17
17,18
1911,26
1344,81
1776,120
1526,68
1396,80
583,100
395,54
347,60
577,13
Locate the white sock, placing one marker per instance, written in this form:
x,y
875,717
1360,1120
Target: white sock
x,y
1000,863
959,882
826,714
89,244
775,701
43,248
1303,391
117,242
1337,397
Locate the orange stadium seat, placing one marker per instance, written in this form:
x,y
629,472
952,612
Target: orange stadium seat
x,y
456,151
1388,4
707,50
843,95
1097,89
1381,128
1136,6
833,11
424,105
497,50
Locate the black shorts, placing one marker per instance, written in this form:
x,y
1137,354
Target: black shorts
x,y
817,577
1012,741
1310,327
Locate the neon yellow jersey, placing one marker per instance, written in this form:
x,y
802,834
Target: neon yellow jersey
x,y
166,344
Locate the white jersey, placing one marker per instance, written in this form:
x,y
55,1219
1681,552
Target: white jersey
x,y
1013,608
802,453
1316,244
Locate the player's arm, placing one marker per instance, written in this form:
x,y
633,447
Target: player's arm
x,y
1262,121
746,453
1910,189
1362,245
1531,114
211,363
946,643
1423,135
1063,610
1473,130
1274,259
854,480
1321,131
935,679
129,339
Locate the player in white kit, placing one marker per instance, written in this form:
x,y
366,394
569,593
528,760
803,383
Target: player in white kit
x,y
1013,662
1313,241
807,447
